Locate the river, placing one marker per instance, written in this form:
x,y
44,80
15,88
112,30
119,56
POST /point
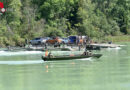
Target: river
x,y
25,70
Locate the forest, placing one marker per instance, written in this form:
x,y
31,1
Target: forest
x,y
27,19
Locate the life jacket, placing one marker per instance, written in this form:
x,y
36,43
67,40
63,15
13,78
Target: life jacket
x,y
46,53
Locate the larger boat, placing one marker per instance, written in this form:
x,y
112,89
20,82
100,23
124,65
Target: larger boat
x,y
51,57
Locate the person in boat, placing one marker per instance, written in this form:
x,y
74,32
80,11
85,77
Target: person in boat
x,y
50,55
85,53
46,53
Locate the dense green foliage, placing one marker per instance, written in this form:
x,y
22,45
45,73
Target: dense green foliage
x,y
38,18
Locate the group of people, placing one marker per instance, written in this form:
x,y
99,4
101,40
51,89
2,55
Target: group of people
x,y
83,40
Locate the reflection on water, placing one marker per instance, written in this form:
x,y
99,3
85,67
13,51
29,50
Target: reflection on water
x,y
110,72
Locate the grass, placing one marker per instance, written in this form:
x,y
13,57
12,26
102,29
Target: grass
x,y
122,38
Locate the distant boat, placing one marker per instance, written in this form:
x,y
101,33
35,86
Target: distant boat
x,y
69,57
104,45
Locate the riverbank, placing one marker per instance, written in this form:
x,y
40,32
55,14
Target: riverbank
x,y
113,39
122,38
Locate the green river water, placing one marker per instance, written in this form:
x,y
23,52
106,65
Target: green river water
x,y
25,70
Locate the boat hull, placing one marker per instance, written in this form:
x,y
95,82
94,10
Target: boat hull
x,y
70,57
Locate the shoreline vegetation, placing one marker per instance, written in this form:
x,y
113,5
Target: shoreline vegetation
x,y
101,20
113,39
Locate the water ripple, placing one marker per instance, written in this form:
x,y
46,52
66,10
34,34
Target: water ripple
x,y
21,62
9,53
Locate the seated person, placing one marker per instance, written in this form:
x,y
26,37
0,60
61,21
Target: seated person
x,y
85,53
50,55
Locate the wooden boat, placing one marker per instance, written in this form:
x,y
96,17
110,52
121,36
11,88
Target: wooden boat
x,y
69,57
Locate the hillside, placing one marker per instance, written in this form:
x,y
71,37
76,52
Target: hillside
x,y
34,18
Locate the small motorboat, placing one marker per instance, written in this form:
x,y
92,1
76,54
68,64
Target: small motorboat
x,y
50,57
